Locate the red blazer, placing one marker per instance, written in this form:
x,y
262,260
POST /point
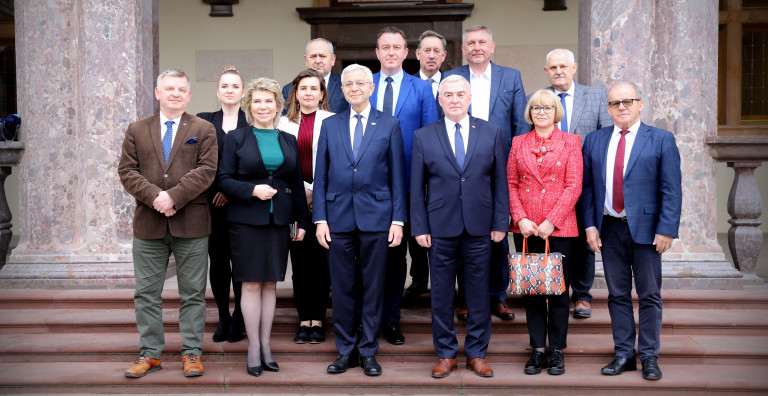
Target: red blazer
x,y
549,192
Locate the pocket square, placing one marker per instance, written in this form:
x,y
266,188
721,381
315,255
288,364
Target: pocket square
x,y
192,140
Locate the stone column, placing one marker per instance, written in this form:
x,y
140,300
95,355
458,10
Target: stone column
x,y
669,49
86,69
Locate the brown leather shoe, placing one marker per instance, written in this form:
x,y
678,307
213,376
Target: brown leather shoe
x,y
462,314
193,367
444,367
142,366
480,367
502,311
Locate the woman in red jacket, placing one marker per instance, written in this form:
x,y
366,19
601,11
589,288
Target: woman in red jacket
x,y
544,173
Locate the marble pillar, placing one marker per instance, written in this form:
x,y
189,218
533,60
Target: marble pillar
x,y
86,69
669,49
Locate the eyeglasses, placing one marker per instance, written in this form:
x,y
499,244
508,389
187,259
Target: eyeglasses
x,y
626,102
349,84
539,109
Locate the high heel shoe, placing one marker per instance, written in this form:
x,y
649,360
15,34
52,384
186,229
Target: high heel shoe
x,y
270,366
255,370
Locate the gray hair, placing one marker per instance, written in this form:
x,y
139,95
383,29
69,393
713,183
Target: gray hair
x,y
634,86
354,67
452,78
475,28
432,33
330,45
568,52
173,73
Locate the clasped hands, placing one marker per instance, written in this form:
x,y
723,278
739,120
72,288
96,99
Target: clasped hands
x,y
164,204
543,230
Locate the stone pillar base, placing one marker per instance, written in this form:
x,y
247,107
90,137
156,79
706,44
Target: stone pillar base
x,y
83,275
690,274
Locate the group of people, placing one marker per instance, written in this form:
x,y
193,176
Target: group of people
x,y
349,174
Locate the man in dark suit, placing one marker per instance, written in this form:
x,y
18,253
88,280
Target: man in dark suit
x,y
585,111
359,208
410,100
167,163
632,199
319,56
498,97
459,204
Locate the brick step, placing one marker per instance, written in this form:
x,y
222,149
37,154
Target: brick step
x,y
503,348
397,378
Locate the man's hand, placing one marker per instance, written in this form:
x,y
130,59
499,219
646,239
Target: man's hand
x,y
545,229
424,241
662,242
263,192
220,199
527,227
164,204
323,235
395,235
498,236
593,239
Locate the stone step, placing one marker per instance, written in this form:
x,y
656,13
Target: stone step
x,y
397,378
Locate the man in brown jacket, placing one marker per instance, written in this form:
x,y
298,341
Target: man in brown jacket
x,y
167,163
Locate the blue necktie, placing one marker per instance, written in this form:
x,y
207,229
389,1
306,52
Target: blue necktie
x,y
388,94
358,136
459,143
564,122
167,141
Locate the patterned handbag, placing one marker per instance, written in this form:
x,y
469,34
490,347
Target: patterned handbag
x,y
535,273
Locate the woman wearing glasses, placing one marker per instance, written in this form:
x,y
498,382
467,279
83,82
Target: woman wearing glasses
x,y
544,173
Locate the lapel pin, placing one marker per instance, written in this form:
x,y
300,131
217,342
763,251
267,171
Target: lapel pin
x,y
373,123
473,126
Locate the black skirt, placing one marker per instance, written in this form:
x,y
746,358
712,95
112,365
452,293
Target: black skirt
x,y
259,252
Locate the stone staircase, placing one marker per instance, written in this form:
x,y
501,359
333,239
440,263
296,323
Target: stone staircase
x,y
80,341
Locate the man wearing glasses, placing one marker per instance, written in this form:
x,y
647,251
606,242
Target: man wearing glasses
x,y
631,202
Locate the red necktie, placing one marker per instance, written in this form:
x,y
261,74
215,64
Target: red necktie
x,y
618,175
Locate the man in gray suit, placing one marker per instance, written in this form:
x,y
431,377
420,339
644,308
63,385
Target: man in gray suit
x,y
585,111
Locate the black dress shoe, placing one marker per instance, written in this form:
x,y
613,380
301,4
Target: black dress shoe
x,y
619,365
341,364
302,335
556,363
415,290
270,366
651,370
316,335
370,366
393,334
222,330
255,370
537,362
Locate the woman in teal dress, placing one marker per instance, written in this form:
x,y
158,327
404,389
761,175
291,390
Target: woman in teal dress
x,y
260,172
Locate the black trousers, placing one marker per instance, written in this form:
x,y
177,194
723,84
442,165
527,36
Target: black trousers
x,y
582,265
547,316
311,278
221,270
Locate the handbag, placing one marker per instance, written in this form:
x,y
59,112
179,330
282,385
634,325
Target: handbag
x,y
536,273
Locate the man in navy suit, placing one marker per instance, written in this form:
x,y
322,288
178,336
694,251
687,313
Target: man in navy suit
x,y
459,204
585,111
632,199
410,100
319,56
359,208
498,97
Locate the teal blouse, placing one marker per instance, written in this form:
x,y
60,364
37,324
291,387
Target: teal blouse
x,y
271,152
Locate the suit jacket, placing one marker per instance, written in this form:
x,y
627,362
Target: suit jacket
x,y
507,105
652,183
241,168
437,103
446,200
216,118
415,108
550,191
367,193
336,101
190,171
293,128
590,110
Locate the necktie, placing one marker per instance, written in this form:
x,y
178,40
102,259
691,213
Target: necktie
x,y
564,122
459,144
431,82
388,94
167,140
618,175
358,136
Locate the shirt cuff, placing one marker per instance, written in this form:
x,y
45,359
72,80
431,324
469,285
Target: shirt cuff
x,y
321,222
400,223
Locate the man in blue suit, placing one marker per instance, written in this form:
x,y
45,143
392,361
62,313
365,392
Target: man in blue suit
x,y
632,199
585,111
410,100
498,97
459,204
319,56
359,208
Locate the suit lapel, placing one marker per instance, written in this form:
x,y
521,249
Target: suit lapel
x,y
528,157
181,137
496,76
344,133
471,142
156,134
375,95
578,108
464,72
604,143
441,129
558,141
643,133
406,85
370,130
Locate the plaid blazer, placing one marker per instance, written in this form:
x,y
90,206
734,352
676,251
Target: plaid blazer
x,y
590,111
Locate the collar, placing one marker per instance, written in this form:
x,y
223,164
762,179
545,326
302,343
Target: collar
x,y
365,113
632,130
436,77
486,74
450,125
570,90
397,77
163,119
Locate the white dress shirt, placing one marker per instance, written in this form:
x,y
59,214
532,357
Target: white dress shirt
x,y
382,84
629,140
353,121
480,87
568,105
450,128
175,127
435,81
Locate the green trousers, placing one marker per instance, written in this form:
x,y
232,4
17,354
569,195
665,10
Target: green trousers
x,y
150,262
